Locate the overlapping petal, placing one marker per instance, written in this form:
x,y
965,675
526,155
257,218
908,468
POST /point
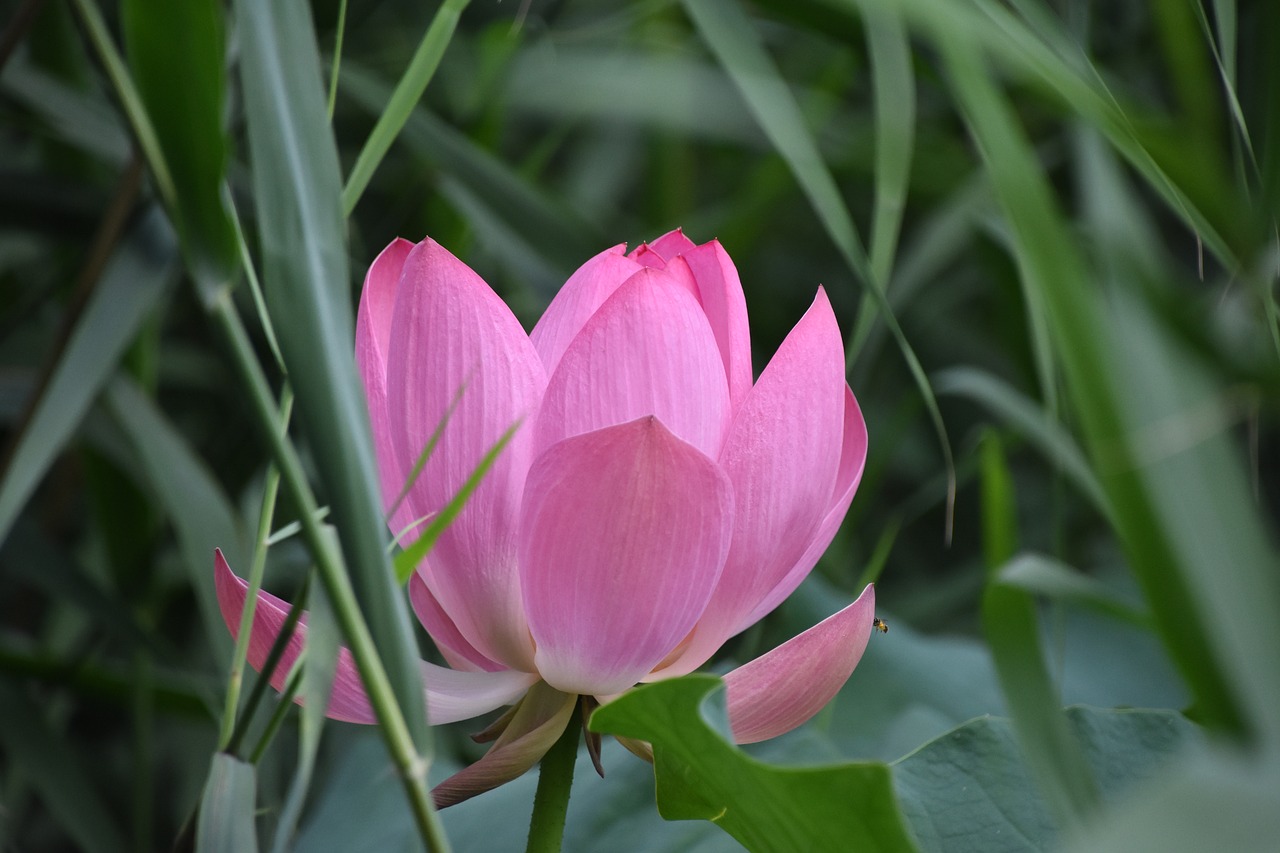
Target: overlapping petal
x,y
579,298
782,689
782,455
623,539
373,338
452,335
648,350
451,695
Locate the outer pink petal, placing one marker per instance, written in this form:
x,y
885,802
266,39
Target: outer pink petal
x,y
451,333
671,244
852,461
456,650
778,691
647,351
373,336
451,695
584,292
720,292
783,455
623,539
533,729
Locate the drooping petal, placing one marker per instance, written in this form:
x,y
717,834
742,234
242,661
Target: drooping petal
x,y
720,292
783,455
648,350
852,460
456,650
671,244
623,539
584,292
779,690
534,727
373,337
451,695
452,337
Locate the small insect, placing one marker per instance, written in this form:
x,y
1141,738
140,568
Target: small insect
x,y
880,625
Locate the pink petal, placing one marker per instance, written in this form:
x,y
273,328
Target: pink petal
x,y
456,650
373,336
624,536
533,729
451,695
671,244
783,455
584,292
452,334
647,257
648,350
779,690
720,292
852,460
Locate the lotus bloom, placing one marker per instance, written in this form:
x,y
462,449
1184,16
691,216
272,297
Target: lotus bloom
x,y
653,502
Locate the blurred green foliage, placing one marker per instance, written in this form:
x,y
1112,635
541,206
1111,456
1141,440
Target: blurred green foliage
x,y
1049,228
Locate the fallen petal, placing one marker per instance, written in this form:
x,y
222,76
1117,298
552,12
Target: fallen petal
x,y
779,690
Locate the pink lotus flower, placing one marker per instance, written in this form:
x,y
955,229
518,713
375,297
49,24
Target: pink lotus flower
x,y
653,503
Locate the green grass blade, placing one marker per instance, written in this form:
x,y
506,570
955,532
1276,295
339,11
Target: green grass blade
x,y
1021,414
186,110
726,29
295,175
227,808
407,94
201,514
56,773
131,287
1010,625
408,559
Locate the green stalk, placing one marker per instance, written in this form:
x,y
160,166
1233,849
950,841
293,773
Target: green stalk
x,y
551,802
266,516
391,723
406,96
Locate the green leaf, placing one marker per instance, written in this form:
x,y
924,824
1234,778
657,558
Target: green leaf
x,y
701,775
187,112
46,759
184,487
227,809
970,790
130,288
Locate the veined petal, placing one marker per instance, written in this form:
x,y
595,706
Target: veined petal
x,y
648,350
373,337
853,458
451,695
584,292
779,690
537,723
456,650
623,538
647,257
452,337
671,244
783,455
720,292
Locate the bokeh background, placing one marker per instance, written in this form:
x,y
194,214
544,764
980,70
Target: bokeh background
x,y
1047,228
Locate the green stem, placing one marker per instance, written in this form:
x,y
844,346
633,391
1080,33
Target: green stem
x,y
391,723
551,802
